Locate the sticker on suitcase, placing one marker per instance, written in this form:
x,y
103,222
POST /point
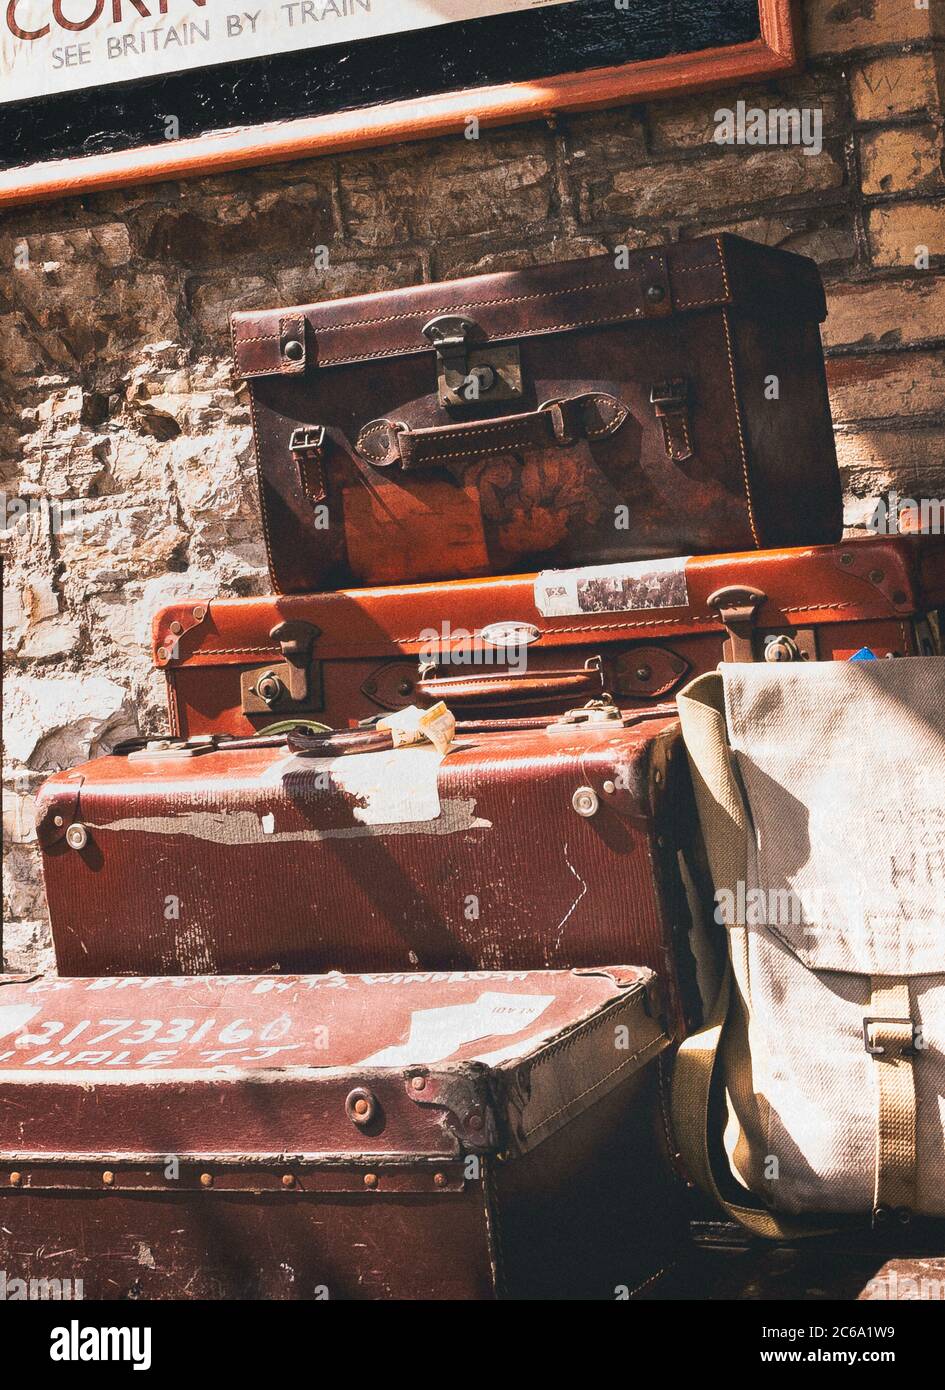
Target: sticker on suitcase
x,y
438,1033
612,588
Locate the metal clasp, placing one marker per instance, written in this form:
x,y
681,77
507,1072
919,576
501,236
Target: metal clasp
x,y
465,373
292,686
737,605
874,1050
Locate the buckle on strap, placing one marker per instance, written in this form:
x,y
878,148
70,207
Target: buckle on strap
x,y
668,396
875,1049
307,439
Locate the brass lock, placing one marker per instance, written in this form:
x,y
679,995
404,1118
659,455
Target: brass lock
x,y
467,372
270,688
292,686
782,648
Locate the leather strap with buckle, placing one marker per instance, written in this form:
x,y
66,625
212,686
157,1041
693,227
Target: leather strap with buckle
x,y
670,401
307,447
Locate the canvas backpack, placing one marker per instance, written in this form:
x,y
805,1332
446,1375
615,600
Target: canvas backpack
x,y
821,794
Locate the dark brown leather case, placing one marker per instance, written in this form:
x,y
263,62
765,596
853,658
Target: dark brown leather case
x,y
672,402
461,1136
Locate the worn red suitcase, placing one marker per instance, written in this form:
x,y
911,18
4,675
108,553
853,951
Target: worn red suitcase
x,y
336,1137
668,402
534,847
638,632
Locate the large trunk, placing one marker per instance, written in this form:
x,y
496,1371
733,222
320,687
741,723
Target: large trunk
x,y
334,1137
567,414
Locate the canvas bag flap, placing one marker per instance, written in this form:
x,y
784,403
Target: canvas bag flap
x,y
821,748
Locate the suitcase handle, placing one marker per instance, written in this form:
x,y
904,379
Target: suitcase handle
x,y
512,687
591,415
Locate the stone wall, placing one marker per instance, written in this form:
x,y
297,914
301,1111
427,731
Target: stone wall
x,y
116,384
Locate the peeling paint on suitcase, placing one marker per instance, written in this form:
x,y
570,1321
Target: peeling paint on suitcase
x,y
428,1135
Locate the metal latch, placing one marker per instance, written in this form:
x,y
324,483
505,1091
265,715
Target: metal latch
x,y
592,714
465,372
291,686
737,606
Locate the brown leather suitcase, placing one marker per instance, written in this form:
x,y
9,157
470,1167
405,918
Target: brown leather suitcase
x,y
466,1136
667,403
236,665
543,845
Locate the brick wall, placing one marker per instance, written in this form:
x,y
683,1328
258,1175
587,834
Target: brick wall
x,y
114,354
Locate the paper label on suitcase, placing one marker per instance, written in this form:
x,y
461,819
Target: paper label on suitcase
x,y
612,588
437,1033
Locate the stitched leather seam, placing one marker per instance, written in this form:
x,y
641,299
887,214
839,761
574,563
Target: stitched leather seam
x,y
237,651
618,417
692,269
723,267
653,1279
720,264
172,707
472,304
697,303
508,447
312,463
738,425
267,540
490,1206
583,1029
382,427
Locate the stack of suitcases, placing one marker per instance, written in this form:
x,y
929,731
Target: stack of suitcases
x,y
341,1014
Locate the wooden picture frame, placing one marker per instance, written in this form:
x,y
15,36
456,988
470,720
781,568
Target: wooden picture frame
x,y
776,52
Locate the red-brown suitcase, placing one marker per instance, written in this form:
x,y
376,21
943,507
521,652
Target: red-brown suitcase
x,y
545,846
232,667
456,1136
673,401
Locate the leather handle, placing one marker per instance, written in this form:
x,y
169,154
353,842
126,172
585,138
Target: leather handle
x,y
514,687
591,415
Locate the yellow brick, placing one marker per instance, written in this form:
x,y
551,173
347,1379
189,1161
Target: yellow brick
x,y
890,312
875,457
842,26
901,159
899,232
897,84
886,384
